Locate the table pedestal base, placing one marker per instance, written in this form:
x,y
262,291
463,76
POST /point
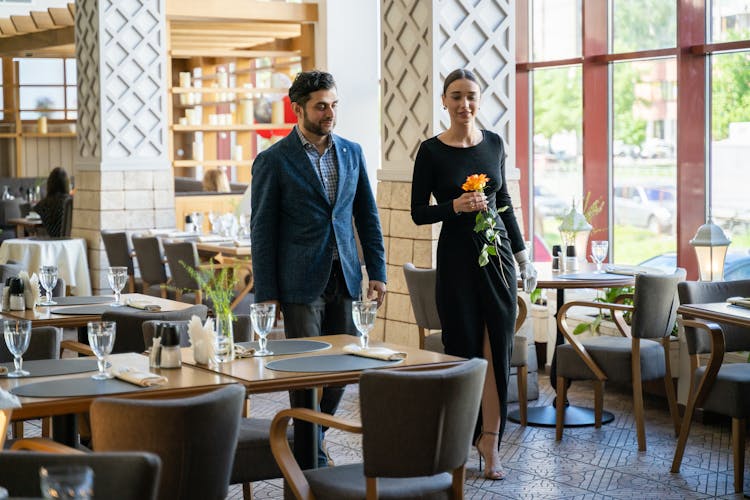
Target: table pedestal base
x,y
575,416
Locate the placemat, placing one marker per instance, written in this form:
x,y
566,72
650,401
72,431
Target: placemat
x,y
328,363
85,386
289,346
592,276
73,300
48,367
92,310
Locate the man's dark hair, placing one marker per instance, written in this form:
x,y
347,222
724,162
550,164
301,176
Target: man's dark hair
x,y
308,82
57,182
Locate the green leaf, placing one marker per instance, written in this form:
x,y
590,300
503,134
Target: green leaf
x,y
582,327
502,209
491,250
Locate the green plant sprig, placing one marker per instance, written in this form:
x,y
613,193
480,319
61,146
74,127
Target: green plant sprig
x,y
218,287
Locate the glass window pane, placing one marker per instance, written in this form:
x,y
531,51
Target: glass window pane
x,y
645,173
41,98
730,20
71,94
70,71
558,172
730,148
643,25
556,32
40,71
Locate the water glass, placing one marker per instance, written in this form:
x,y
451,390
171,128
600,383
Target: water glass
x,y
363,313
17,337
117,277
245,225
67,481
599,250
48,280
101,341
262,316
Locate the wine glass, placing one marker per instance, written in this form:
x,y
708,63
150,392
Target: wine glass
x,y
101,341
48,280
599,250
17,337
245,225
212,218
363,313
117,276
262,315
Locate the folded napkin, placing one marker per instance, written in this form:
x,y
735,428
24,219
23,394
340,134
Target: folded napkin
x,y
144,305
211,238
31,289
632,270
33,216
375,352
243,352
739,301
8,400
137,377
202,338
242,243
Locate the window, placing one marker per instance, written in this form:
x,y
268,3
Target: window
x,y
47,87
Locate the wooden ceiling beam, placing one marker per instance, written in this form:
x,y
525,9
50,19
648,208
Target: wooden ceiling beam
x,y
240,10
7,28
62,16
42,19
30,43
278,30
23,24
236,40
232,53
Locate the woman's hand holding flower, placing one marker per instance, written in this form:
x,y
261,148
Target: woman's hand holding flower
x,y
470,202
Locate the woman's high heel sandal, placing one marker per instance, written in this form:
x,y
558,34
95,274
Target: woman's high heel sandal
x,y
494,473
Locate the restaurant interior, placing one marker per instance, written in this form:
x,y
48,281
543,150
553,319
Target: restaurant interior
x,y
136,359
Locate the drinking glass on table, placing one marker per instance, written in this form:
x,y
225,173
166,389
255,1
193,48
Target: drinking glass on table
x,y
17,337
599,250
48,280
117,277
262,315
101,341
363,314
66,481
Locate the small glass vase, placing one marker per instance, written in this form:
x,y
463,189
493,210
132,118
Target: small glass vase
x,y
224,346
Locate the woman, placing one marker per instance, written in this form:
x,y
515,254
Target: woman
x,y
477,309
51,208
216,180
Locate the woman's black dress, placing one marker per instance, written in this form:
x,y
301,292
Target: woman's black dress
x,y
470,297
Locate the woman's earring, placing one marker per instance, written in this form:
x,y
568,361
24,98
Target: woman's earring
x,y
444,107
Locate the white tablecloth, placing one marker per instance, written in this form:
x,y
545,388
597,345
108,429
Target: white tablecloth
x,y
69,255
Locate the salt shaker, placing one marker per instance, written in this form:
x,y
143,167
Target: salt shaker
x,y
556,257
17,301
171,357
189,226
571,262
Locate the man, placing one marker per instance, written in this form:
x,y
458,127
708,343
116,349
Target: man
x,y
306,190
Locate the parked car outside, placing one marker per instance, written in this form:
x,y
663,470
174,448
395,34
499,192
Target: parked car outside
x,y
652,207
736,264
548,204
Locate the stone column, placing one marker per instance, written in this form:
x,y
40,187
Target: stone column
x,y
123,172
423,41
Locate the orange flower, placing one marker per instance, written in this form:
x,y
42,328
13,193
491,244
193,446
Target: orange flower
x,y
475,182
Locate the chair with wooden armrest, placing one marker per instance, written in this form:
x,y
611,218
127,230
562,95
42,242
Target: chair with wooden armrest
x,y
119,253
421,285
718,387
121,475
416,431
641,352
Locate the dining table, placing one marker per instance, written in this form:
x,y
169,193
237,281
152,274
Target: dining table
x,y
68,254
75,311
585,276
26,225
310,369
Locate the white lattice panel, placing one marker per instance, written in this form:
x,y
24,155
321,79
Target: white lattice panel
x,y
122,68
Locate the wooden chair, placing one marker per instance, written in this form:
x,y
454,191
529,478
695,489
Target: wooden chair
x,y
717,387
641,352
416,431
421,284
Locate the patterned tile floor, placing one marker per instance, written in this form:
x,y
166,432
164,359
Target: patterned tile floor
x,y
587,464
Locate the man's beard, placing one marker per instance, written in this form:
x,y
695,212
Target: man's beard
x,y
316,128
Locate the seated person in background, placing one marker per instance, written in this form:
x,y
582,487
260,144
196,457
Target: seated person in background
x,y
216,180
50,208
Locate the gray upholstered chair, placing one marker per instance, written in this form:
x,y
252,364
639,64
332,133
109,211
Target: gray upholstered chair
x,y
641,353
717,387
119,253
10,270
9,209
195,437
151,265
416,431
421,284
125,476
129,337
66,227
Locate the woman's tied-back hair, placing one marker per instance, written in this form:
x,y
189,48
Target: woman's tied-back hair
x,y
459,74
58,182
308,82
